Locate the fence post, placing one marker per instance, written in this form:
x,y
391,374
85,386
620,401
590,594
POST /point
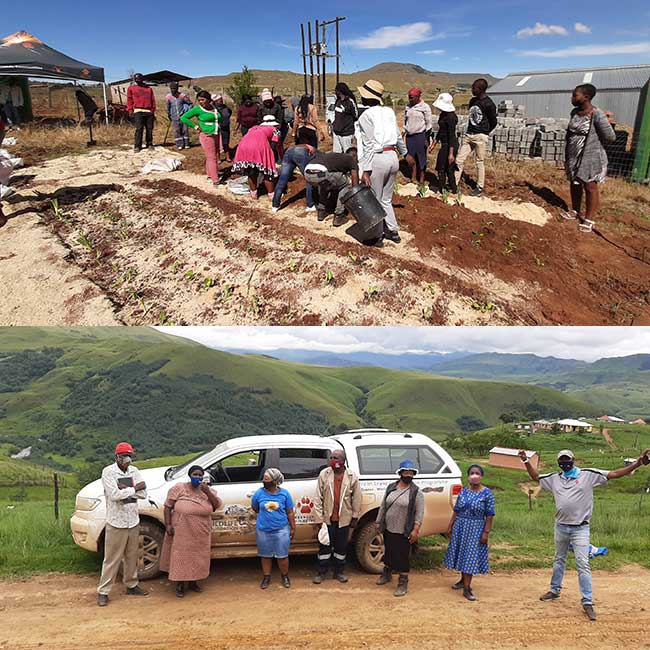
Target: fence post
x,y
530,499
56,496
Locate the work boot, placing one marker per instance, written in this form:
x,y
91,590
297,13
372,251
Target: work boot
x,y
385,577
266,581
458,585
477,192
102,600
402,586
136,591
180,590
549,595
589,611
340,576
321,216
393,235
319,577
195,587
339,220
286,583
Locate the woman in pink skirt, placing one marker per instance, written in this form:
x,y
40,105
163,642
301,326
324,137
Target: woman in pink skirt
x,y
188,530
255,156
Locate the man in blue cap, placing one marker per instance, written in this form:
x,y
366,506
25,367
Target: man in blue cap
x,y
573,491
399,519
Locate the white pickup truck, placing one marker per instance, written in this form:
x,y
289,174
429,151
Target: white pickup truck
x,y
236,468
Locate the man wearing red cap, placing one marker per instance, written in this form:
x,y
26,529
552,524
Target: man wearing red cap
x,y
123,486
417,124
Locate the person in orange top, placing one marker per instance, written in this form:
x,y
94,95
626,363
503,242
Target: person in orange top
x,y
337,504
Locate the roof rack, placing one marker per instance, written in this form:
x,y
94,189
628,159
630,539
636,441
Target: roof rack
x,y
370,430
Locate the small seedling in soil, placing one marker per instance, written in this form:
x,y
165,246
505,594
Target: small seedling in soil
x,y
538,261
372,293
484,307
226,292
163,319
432,288
58,213
479,238
297,243
422,191
292,265
329,277
445,196
189,275
175,266
208,283
509,247
124,232
352,256
459,197
85,240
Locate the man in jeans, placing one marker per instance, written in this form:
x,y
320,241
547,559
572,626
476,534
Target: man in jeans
x,y
337,505
123,486
141,103
482,121
572,490
298,156
330,173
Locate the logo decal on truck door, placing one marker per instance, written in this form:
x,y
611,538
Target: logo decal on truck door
x,y
305,506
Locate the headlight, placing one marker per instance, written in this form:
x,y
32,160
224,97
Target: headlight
x,y
85,503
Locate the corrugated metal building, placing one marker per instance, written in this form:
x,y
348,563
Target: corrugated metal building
x,y
622,90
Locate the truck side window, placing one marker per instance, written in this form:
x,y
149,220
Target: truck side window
x,y
244,467
386,459
302,463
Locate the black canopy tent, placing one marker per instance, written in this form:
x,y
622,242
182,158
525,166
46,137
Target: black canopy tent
x,y
24,55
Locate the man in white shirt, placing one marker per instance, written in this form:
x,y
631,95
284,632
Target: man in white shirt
x,y
123,486
379,143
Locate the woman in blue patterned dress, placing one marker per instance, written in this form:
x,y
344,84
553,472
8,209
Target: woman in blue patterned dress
x,y
469,530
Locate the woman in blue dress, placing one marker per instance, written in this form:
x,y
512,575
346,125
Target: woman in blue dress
x,y
469,530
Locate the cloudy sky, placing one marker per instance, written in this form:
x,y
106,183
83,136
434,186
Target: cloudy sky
x,y
584,343
494,37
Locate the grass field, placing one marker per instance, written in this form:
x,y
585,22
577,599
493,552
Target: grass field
x,y
32,542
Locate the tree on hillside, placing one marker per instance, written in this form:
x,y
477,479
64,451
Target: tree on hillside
x,y
507,417
243,84
469,423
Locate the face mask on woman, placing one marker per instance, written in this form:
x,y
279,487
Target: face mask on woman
x,y
406,479
196,480
268,485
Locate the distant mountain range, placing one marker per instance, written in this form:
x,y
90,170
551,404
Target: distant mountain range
x,y
397,78
618,386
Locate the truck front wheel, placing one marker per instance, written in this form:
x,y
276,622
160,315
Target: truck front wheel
x,y
369,548
151,542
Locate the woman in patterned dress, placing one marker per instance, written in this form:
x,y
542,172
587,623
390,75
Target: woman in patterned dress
x,y
188,530
585,156
468,531
255,155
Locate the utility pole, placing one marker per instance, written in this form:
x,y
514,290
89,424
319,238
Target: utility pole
x,y
317,47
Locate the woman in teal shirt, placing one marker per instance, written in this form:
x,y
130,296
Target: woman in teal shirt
x,y
208,118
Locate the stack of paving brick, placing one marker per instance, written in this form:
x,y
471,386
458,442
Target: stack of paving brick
x,y
507,108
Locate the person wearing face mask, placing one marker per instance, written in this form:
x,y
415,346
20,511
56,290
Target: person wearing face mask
x,y
585,157
188,531
573,491
469,530
337,504
123,486
399,519
275,527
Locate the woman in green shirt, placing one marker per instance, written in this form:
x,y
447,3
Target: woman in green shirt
x,y
208,118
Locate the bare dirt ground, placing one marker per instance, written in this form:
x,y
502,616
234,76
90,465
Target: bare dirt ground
x,y
58,612
90,240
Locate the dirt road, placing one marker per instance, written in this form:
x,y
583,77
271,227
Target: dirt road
x,y
59,613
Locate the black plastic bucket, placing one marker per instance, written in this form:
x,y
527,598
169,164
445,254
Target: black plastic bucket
x,y
364,206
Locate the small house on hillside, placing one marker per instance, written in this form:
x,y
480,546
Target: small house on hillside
x,y
610,418
542,425
639,421
509,458
574,426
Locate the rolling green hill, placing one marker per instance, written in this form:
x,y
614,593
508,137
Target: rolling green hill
x,y
616,386
83,389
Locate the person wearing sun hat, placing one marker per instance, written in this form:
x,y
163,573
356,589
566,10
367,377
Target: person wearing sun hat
x,y
378,144
418,121
255,157
448,139
399,519
123,486
573,491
